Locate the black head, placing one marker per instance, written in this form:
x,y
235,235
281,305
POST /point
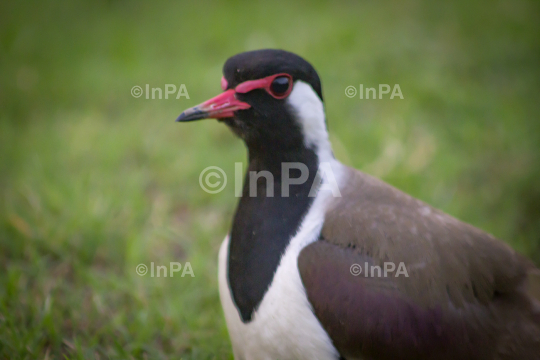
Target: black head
x,y
257,64
265,97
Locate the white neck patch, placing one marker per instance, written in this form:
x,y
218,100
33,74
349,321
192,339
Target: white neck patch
x,y
309,112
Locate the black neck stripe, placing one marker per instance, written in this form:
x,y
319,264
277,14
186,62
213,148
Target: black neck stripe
x,y
263,227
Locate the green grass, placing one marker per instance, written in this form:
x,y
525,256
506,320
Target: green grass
x,y
94,182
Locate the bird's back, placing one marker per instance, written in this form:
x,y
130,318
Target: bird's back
x,y
466,293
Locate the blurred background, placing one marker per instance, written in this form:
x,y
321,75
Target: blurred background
x,y
94,181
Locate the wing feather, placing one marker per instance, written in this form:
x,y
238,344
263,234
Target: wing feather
x,y
463,293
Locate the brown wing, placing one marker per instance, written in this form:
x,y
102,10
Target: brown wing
x,y
463,295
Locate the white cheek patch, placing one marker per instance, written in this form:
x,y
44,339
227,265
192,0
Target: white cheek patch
x,y
309,113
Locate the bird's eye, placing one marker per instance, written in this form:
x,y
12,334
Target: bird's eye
x,y
280,86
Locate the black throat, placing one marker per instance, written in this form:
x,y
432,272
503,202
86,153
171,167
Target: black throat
x,y
264,225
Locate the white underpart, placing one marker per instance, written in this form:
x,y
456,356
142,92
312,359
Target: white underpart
x,y
284,326
309,111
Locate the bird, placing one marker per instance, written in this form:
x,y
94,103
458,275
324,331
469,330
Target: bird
x,y
324,261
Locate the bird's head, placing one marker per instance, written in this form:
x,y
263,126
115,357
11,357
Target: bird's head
x,y
272,99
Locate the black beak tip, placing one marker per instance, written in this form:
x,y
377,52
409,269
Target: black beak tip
x,y
192,115
181,117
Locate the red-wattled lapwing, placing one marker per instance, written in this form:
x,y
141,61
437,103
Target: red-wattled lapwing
x,y
286,276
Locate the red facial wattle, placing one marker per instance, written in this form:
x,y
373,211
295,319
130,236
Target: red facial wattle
x,y
224,83
225,104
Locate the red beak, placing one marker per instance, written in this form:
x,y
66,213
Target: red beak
x,y
222,106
